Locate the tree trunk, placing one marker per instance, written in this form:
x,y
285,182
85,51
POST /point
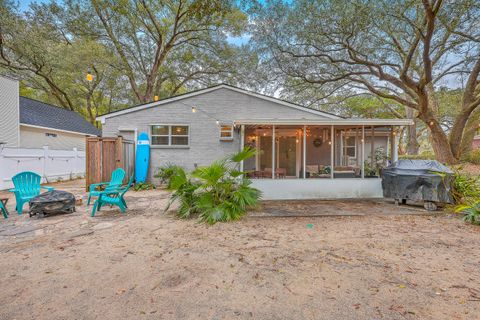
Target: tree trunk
x,y
457,133
471,127
412,142
440,142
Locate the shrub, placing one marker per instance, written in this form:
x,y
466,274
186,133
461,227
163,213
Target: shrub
x,y
465,187
143,186
165,173
466,192
473,157
425,155
471,212
214,193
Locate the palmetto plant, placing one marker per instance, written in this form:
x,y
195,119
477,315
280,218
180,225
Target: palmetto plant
x,y
471,212
218,192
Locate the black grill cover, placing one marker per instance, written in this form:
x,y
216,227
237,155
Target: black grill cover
x,y
419,180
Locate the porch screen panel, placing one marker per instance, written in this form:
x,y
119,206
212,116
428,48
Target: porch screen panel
x,y
377,150
318,153
288,152
260,138
347,152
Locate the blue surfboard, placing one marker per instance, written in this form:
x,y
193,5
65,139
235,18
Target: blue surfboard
x,y
142,157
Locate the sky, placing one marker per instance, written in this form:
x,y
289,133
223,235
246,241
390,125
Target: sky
x,y
24,4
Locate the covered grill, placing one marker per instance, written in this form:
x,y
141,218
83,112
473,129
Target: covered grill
x,y
418,180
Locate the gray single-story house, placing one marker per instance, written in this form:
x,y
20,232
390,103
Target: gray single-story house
x,y
302,153
32,124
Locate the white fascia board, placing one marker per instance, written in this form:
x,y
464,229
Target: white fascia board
x,y
338,122
199,92
58,130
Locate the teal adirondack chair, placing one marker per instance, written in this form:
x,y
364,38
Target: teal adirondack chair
x,y
27,186
4,210
115,182
113,197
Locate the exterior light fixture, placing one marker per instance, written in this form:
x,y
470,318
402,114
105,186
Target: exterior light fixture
x,y
155,98
194,109
431,123
217,122
89,76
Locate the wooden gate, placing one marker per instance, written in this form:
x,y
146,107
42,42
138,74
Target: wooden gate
x,y
103,155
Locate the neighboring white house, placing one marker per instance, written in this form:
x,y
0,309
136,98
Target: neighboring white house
x,y
301,152
28,123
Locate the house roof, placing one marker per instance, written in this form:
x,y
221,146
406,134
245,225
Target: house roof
x,y
213,88
39,114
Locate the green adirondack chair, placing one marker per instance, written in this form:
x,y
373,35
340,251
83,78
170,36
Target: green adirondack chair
x,y
115,182
112,197
27,186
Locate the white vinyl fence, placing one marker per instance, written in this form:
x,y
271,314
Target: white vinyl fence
x,y
52,165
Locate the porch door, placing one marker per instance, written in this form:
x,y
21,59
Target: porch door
x,y
287,155
265,153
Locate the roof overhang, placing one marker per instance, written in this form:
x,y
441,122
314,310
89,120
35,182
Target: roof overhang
x,y
58,130
337,122
203,91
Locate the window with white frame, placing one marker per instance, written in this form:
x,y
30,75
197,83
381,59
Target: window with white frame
x,y
170,135
226,132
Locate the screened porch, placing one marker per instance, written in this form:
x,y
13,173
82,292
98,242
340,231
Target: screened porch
x,y
310,151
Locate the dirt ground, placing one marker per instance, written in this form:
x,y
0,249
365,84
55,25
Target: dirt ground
x,y
377,261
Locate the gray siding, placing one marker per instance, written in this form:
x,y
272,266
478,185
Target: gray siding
x,y
36,138
205,144
9,110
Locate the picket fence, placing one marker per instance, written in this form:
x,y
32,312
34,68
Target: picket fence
x,y
52,165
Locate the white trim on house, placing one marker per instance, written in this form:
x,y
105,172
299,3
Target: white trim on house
x,y
335,122
59,130
203,91
226,124
170,135
305,189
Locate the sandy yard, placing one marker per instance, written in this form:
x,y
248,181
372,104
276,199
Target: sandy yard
x,y
377,261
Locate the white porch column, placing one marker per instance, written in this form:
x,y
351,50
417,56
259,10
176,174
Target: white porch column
x,y
332,158
304,152
242,143
273,152
363,152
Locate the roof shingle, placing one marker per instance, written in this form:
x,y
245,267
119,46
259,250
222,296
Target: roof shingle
x,y
37,113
